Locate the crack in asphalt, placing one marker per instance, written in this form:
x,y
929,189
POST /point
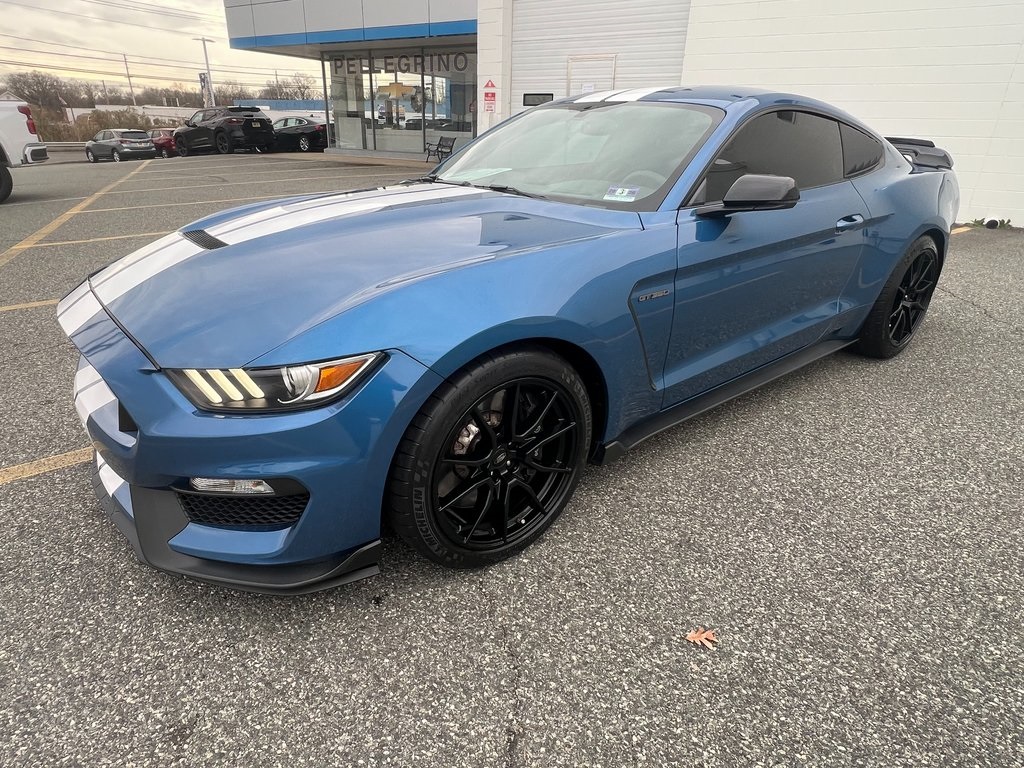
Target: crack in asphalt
x,y
980,308
514,729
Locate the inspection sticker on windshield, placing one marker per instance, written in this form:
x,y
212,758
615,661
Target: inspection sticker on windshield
x,y
622,194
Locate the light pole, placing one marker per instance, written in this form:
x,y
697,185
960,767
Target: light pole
x,y
209,77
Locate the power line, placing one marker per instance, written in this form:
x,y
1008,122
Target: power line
x,y
97,18
155,10
190,64
233,71
118,75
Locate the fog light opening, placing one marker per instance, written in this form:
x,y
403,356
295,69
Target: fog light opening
x,y
221,485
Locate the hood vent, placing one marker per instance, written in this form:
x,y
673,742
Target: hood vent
x,y
203,239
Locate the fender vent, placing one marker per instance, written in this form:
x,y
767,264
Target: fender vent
x,y
203,239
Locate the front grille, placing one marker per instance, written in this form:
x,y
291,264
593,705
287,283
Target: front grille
x,y
244,511
203,239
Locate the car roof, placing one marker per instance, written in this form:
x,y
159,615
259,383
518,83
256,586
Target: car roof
x,y
721,96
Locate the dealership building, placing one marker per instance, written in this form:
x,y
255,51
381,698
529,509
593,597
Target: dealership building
x,y
401,73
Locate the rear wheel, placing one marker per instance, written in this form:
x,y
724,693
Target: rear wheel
x,y
304,144
6,183
224,144
491,459
183,149
165,153
900,308
115,156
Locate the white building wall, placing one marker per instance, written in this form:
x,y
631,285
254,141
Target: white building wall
x,y
539,46
947,70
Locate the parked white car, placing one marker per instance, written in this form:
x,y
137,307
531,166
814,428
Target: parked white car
x,y
19,142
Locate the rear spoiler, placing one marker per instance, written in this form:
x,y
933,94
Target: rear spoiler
x,y
922,152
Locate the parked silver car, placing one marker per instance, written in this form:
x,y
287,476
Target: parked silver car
x,y
119,144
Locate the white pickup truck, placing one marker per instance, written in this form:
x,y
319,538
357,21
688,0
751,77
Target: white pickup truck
x,y
19,142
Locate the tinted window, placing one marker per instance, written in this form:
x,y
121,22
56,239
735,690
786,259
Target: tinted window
x,y
787,143
861,152
133,135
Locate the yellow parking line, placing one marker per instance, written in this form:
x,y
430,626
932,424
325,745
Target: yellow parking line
x,y
958,230
261,173
42,232
50,463
99,239
29,305
172,205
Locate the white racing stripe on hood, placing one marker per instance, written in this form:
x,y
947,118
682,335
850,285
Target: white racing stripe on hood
x,y
273,220
134,270
131,271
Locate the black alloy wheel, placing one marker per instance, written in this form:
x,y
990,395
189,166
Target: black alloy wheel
x,y
183,149
223,142
492,459
900,308
912,298
506,464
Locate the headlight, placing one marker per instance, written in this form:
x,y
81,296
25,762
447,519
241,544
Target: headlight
x,y
271,389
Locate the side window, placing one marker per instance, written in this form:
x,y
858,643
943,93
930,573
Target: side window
x,y
197,117
786,143
98,136
861,152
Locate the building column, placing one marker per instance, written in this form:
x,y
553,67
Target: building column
x,y
494,60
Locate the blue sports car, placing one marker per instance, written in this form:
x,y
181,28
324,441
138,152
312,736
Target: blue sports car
x,y
268,386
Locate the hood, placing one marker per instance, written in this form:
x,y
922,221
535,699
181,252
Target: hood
x,y
231,287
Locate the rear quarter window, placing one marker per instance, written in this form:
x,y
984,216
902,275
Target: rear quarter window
x,y
861,153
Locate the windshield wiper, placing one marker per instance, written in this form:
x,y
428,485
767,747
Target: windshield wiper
x,y
510,190
432,179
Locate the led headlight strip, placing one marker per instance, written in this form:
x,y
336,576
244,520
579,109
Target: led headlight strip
x,y
270,388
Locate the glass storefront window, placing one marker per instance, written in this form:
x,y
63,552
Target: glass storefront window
x,y
398,100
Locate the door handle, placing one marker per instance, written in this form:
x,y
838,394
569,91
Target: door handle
x,y
853,221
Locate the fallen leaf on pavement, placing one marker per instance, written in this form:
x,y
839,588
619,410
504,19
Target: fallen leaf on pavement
x,y
701,636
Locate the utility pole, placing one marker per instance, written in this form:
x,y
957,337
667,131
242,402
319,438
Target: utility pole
x,y
106,98
130,88
209,77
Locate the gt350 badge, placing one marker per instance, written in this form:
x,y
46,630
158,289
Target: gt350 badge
x,y
655,295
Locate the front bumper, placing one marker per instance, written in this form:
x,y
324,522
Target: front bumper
x,y
149,440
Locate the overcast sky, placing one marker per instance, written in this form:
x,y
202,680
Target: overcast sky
x,y
157,36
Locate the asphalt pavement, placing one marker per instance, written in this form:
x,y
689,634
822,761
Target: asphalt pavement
x,y
852,531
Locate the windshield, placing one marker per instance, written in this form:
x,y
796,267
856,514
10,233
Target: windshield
x,y
134,135
618,155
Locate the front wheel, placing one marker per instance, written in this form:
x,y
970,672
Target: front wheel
x,y
900,308
6,183
89,156
491,459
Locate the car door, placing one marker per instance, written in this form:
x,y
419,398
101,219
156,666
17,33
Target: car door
x,y
106,144
755,286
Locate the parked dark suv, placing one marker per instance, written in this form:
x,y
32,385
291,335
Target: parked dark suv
x,y
225,129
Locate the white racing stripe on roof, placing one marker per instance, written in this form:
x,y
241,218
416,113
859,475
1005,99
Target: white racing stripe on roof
x,y
280,218
637,93
599,96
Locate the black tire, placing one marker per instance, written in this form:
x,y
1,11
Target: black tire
x,y
530,456
115,156
223,143
89,156
901,306
183,149
6,183
305,145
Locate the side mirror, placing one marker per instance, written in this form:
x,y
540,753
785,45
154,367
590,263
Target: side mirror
x,y
754,192
189,124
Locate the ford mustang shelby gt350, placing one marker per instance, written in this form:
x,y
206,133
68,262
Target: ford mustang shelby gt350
x,y
269,385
